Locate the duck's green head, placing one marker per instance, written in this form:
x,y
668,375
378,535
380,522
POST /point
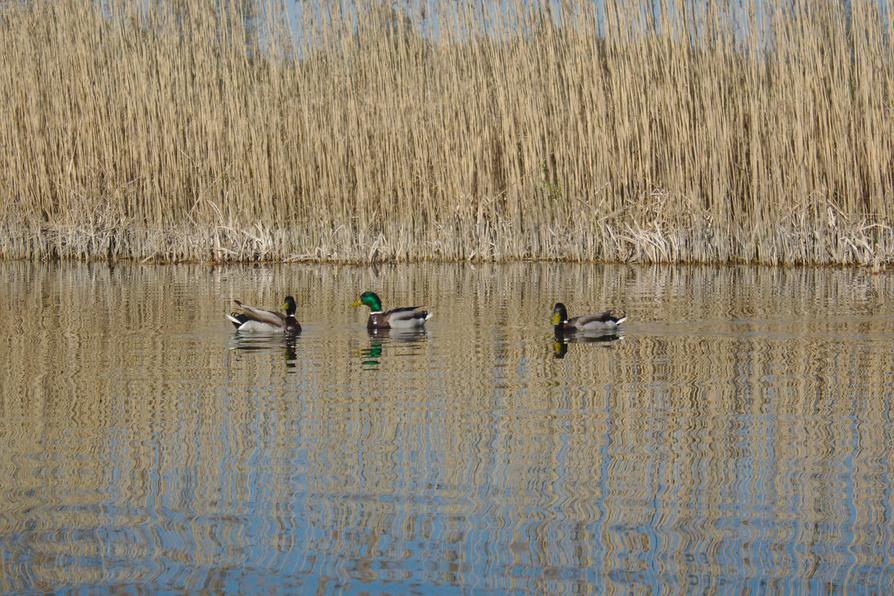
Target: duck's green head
x,y
289,306
560,314
371,300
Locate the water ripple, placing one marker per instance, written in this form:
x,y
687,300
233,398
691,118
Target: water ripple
x,y
735,436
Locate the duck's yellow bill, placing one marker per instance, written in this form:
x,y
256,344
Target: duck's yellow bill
x,y
356,303
285,306
556,319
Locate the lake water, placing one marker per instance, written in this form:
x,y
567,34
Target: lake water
x,y
736,435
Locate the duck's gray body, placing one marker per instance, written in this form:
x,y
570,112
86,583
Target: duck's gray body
x,y
259,320
409,317
603,321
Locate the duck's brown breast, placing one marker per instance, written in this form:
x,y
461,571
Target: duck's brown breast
x,y
377,320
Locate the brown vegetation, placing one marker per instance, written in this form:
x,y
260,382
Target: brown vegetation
x,y
696,134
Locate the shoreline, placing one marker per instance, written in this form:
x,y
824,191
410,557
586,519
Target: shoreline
x,y
222,245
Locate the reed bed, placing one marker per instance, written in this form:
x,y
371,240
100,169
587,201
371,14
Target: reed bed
x,y
673,131
735,405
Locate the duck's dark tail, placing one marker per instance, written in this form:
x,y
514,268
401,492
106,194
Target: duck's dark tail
x,y
237,319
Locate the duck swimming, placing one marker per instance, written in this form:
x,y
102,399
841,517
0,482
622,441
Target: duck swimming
x,y
407,317
604,322
259,320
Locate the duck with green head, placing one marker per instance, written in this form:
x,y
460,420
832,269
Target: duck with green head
x,y
251,319
407,317
604,322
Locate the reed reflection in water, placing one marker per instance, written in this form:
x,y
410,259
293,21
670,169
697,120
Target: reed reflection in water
x,y
735,434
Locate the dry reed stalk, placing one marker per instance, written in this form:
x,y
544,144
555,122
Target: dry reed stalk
x,y
347,131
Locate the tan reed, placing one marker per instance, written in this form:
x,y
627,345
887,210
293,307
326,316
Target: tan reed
x,y
227,131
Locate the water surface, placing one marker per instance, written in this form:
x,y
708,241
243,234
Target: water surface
x,y
736,435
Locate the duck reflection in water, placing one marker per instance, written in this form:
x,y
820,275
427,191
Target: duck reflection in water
x,y
561,340
266,343
597,328
371,356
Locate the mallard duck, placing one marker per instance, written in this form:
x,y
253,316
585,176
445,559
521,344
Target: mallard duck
x,y
603,322
408,317
259,320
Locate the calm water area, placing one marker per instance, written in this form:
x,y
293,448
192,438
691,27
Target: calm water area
x,y
737,435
